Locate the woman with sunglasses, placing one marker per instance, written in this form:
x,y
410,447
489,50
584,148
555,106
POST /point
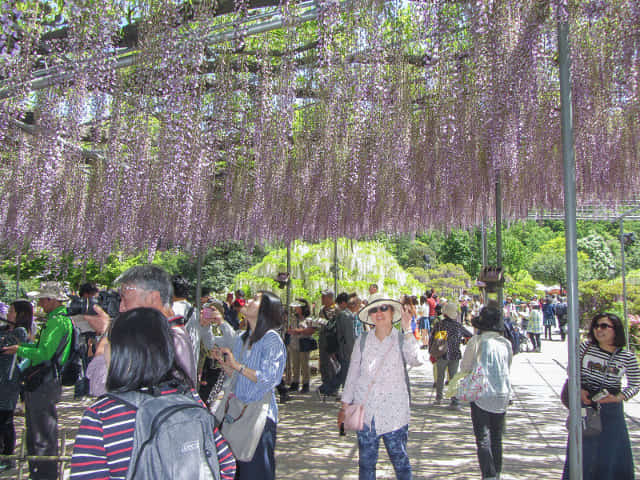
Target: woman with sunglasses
x,y
378,380
604,360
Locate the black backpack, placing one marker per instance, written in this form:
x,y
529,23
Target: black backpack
x,y
72,370
173,437
561,309
511,335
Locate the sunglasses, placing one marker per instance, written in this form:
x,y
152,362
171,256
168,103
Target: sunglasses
x,y
602,326
382,308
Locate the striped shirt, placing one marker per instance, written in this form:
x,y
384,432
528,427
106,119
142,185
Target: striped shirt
x,y
104,442
268,357
601,369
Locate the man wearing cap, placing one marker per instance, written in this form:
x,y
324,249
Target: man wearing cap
x,y
41,418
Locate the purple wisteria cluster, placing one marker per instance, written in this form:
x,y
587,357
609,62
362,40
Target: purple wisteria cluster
x,y
373,117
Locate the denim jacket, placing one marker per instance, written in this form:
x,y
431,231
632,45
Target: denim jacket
x,y
494,352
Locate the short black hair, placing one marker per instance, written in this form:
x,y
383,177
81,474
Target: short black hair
x,y
304,307
181,286
239,293
343,297
87,288
142,352
619,340
270,316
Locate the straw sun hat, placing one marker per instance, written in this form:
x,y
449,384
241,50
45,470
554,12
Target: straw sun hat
x,y
376,300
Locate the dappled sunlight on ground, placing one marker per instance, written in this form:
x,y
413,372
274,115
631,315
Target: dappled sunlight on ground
x,y
441,441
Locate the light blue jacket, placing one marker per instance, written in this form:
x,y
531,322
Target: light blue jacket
x,y
494,353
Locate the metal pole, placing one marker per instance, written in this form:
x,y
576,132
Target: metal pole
x,y
484,241
289,284
499,239
18,275
569,164
199,284
335,265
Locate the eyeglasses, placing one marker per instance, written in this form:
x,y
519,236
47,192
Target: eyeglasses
x,y
602,326
382,308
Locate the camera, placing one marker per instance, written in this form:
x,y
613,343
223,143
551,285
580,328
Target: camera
x,y
600,395
82,306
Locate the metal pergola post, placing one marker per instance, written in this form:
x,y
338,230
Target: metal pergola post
x,y
18,261
484,241
335,265
199,284
499,241
569,168
289,284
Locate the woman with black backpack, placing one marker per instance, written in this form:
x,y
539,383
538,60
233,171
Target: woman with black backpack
x,y
143,378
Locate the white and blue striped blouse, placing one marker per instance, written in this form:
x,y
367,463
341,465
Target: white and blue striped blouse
x,y
268,357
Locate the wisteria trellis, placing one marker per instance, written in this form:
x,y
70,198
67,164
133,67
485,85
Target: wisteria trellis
x,y
397,119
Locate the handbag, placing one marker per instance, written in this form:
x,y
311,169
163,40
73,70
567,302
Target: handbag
x,y
354,412
591,422
473,385
470,386
241,424
308,344
354,417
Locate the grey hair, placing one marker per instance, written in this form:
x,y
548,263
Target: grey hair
x,y
150,278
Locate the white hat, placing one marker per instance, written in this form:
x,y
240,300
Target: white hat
x,y
450,309
376,300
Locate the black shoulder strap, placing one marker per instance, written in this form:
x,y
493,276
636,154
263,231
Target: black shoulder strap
x,y
187,317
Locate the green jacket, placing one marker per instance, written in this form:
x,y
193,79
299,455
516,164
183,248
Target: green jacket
x,y
58,325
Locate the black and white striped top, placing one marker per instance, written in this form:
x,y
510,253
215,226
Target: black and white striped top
x,y
621,363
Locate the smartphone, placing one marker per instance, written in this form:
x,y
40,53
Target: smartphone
x,y
600,395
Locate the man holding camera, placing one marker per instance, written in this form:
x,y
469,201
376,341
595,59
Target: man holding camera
x,y
41,396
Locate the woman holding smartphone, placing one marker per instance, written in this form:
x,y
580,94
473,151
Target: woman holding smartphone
x,y
604,361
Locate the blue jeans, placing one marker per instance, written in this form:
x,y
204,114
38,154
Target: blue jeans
x,y
396,444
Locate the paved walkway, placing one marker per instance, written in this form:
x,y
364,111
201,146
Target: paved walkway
x,y
441,442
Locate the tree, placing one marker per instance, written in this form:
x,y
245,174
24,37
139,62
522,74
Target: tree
x,y
601,260
548,266
456,249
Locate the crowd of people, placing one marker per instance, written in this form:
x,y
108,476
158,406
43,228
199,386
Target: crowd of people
x,y
238,358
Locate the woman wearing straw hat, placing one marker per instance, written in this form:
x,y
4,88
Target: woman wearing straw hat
x,y
378,380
